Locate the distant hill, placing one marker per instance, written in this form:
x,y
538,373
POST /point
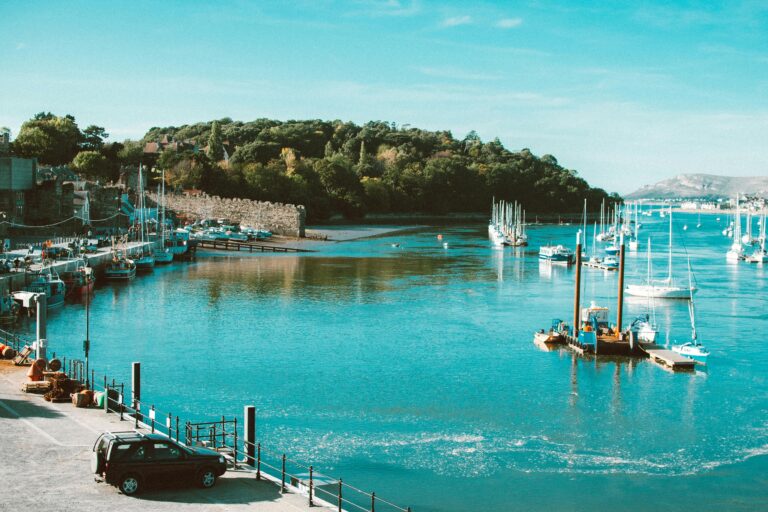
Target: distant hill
x,y
707,186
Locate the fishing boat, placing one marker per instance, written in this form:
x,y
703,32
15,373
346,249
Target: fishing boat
x,y
663,289
556,254
120,268
52,286
79,282
692,349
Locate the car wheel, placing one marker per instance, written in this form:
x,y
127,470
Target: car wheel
x,y
130,485
206,478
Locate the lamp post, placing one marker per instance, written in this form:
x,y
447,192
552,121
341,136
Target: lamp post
x,y
87,342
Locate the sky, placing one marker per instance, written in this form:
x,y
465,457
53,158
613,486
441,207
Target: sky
x,y
626,93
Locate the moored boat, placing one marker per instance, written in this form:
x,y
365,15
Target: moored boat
x,y
556,254
9,310
120,268
52,286
79,282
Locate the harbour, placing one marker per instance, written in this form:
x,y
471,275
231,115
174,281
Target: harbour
x,y
305,304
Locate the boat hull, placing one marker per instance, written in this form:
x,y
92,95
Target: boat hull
x,y
660,292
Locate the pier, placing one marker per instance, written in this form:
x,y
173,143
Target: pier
x,y
592,264
230,245
17,278
668,358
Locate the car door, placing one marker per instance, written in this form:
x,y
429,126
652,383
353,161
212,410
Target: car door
x,y
168,461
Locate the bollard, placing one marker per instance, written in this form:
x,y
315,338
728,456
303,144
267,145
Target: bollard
x,y
250,433
136,388
340,498
311,485
282,486
258,462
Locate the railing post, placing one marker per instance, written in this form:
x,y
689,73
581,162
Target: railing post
x,y
177,428
106,396
373,502
169,425
152,417
311,485
340,498
282,485
258,461
136,407
136,386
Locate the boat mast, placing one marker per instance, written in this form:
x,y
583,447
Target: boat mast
x,y
669,274
691,306
162,200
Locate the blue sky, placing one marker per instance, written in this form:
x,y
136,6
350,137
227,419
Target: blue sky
x,y
626,93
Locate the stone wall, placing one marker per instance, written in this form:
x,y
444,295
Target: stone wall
x,y
281,219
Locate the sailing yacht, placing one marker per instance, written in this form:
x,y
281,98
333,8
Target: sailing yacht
x,y
693,349
643,327
663,289
164,254
145,261
736,252
760,255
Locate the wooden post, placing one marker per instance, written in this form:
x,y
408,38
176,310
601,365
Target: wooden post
x,y
249,429
311,485
577,292
136,389
620,307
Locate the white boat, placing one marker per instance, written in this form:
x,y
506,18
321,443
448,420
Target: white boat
x,y
643,329
760,254
692,349
556,254
665,288
736,251
145,261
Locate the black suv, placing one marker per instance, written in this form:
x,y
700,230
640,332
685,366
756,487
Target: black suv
x,y
130,460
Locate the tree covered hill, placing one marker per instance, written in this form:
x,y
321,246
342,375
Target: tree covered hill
x,y
340,167
331,167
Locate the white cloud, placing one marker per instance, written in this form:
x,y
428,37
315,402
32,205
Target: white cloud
x,y
509,22
455,21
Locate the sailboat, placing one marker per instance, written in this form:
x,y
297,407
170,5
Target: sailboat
x,y
642,327
494,231
693,349
760,255
145,261
736,252
163,254
120,267
664,289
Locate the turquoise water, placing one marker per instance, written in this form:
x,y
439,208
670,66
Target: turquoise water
x,y
411,371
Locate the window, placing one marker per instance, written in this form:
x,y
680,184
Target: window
x,y
166,451
138,454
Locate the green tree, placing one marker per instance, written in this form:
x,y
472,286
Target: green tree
x,y
92,165
131,153
51,139
93,138
215,144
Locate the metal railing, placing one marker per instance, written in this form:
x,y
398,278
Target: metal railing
x,y
222,435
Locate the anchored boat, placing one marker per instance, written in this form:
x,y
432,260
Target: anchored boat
x,y
556,254
693,349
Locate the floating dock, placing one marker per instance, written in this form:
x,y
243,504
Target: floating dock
x,y
668,358
592,264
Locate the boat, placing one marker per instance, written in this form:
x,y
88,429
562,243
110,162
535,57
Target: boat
x,y
612,250
692,349
163,255
662,289
80,282
736,251
120,268
146,260
553,335
610,262
52,286
643,329
556,254
760,254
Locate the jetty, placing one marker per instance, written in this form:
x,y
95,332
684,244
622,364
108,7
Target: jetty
x,y
598,265
231,245
589,336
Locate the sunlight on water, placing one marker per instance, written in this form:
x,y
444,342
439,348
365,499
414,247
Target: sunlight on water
x,y
412,368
